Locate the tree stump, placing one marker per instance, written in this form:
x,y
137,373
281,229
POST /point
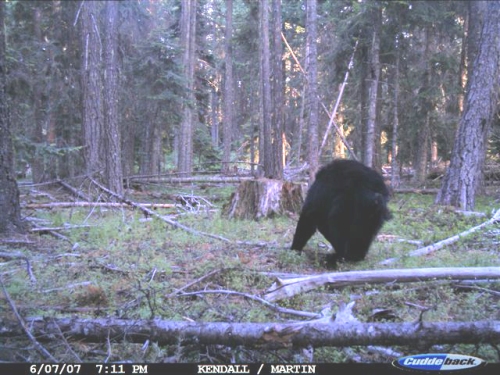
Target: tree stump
x,y
262,198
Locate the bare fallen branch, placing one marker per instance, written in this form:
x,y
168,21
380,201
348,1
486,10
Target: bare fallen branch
x,y
74,191
262,335
162,218
188,180
415,191
279,309
96,204
24,328
53,234
439,245
23,257
285,288
66,227
200,279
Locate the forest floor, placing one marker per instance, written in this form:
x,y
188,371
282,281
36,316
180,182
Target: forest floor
x,y
115,262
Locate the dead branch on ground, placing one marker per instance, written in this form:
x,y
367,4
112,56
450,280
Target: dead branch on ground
x,y
23,257
66,227
268,335
74,191
146,210
278,309
415,191
439,245
188,180
286,288
96,204
24,327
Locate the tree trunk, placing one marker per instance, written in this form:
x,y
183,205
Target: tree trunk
x,y
92,106
461,180
129,131
424,112
214,117
228,88
37,164
277,92
268,335
395,178
300,124
150,140
185,139
112,141
312,130
257,199
10,217
374,76
266,150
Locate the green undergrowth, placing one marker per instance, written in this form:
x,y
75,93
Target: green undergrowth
x,y
125,265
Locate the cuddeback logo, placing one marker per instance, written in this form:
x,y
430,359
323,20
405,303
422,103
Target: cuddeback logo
x,y
438,362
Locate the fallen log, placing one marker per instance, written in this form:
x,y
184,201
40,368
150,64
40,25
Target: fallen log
x,y
286,288
416,191
96,204
441,244
149,212
75,192
188,180
261,335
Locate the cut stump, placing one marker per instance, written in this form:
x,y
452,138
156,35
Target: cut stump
x,y
263,198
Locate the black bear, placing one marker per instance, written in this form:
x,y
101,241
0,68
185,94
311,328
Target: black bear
x,y
347,203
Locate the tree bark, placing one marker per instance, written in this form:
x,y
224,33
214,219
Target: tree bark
x,y
312,56
37,164
269,335
265,146
277,92
228,88
263,198
92,95
424,112
374,76
395,177
10,212
112,141
462,178
188,43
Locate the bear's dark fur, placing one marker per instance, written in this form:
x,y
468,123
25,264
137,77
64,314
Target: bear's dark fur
x,y
347,203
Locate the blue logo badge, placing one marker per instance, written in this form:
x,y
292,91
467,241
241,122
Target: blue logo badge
x,y
438,362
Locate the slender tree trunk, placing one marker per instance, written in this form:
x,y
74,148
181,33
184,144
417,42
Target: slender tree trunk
x,y
266,151
112,141
128,143
476,22
313,140
188,32
461,180
425,108
395,178
277,90
10,217
37,165
228,88
374,76
300,126
92,106
151,142
214,117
